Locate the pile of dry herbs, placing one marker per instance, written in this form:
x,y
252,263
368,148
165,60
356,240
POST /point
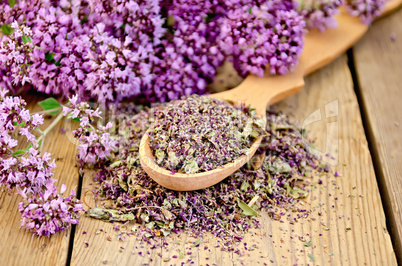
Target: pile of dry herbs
x,y
228,209
199,133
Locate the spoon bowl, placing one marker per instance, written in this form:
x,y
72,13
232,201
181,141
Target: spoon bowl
x,y
187,182
260,92
281,88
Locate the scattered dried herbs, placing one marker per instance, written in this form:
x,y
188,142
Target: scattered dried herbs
x,y
199,133
228,209
197,242
247,210
109,215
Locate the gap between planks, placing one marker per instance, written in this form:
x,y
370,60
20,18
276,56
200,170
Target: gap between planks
x,y
377,59
382,186
367,241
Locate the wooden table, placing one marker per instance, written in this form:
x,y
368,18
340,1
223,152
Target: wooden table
x,y
352,107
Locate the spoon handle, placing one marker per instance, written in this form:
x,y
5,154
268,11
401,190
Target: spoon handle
x,y
320,49
262,91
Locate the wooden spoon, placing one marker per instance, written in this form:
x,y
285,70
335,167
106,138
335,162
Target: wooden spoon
x,y
319,50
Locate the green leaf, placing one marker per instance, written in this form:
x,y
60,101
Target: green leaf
x,y
109,215
165,232
247,210
295,192
256,184
311,257
197,242
49,104
308,244
244,186
116,164
150,225
26,39
22,124
191,167
19,152
23,151
58,63
76,119
249,10
49,57
160,224
280,167
12,3
303,131
84,20
6,29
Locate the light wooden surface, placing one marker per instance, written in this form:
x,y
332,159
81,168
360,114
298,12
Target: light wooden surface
x,y
320,48
18,246
379,69
364,214
358,205
367,242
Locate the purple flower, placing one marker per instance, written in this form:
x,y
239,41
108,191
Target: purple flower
x,y
15,57
319,14
46,213
96,144
32,173
148,50
367,10
257,36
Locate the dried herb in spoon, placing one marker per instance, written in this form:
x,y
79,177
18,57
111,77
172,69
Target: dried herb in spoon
x,y
199,133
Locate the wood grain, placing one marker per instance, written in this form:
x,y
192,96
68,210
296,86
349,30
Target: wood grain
x,y
378,64
331,91
347,221
346,224
19,246
320,49
367,241
104,245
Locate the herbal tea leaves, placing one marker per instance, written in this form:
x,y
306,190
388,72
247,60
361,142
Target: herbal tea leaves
x,y
199,134
223,209
109,215
247,210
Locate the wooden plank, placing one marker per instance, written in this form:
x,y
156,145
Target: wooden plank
x,y
367,241
378,65
344,228
19,246
97,242
330,91
364,215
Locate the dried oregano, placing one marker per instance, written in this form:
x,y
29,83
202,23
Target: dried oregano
x,y
227,209
199,133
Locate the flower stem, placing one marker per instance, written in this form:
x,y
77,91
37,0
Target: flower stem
x,y
51,126
48,111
